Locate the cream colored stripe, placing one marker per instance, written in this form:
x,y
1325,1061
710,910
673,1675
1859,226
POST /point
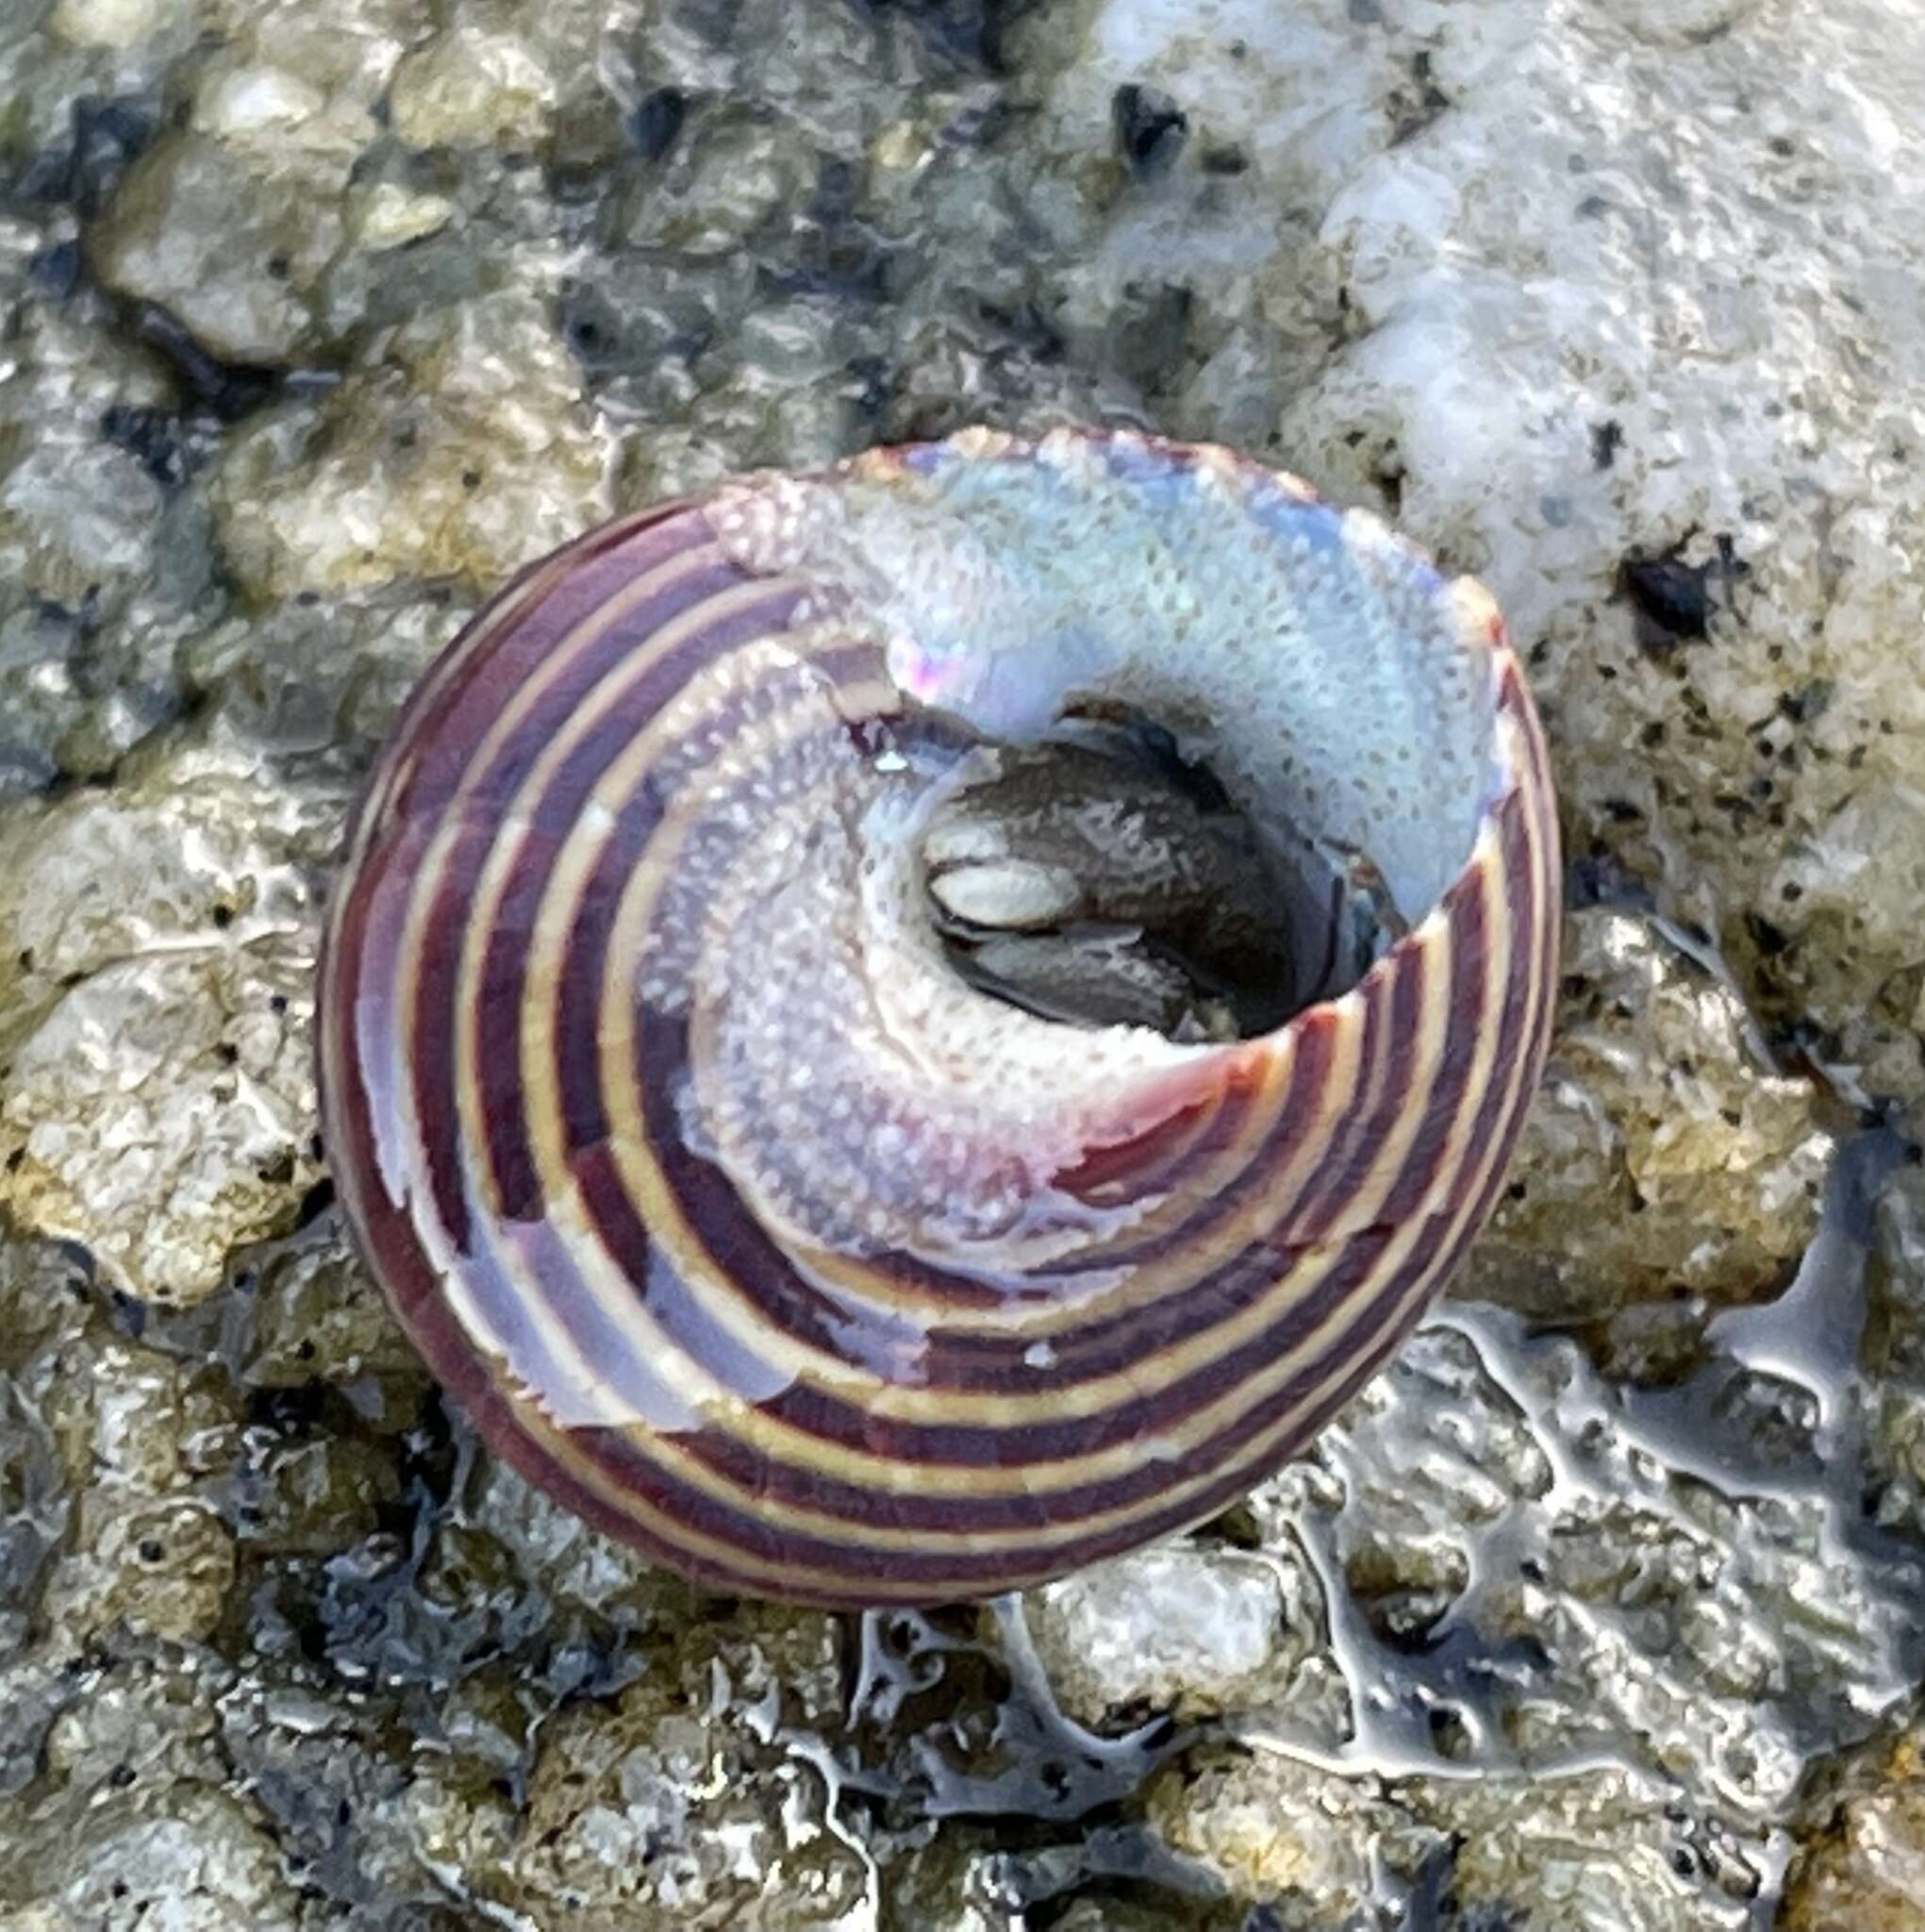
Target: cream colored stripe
x,y
482,631
517,705
560,1198
407,945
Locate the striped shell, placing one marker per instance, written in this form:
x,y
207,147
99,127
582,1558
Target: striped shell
x,y
737,1219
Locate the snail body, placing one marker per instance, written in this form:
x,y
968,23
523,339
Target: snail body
x,y
891,1032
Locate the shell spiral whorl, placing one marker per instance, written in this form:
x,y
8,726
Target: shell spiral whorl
x,y
740,1218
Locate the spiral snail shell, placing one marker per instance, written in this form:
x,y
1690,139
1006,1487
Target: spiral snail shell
x,y
781,1051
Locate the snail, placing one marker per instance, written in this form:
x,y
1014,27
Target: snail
x,y
893,1031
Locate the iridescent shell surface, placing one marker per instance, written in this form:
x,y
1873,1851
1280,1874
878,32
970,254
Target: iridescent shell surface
x,y
739,1218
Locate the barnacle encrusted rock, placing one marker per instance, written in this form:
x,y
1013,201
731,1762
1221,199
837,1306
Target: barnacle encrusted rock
x,y
1664,1156
471,85
233,257
460,446
1196,1630
157,950
1864,1868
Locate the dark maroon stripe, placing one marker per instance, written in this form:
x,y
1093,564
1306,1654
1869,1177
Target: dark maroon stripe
x,y
439,687
390,1239
744,1251
822,1414
1463,1035
1526,1023
578,998
1257,1174
1527,995
1136,1533
452,720
996,1365
491,785
423,1050
745,1254
823,1322
1391,1004
1138,1167
1392,1016
1402,980
388,1235
496,1016
1525,1032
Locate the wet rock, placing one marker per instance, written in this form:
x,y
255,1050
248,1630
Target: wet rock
x,y
575,1562
72,115
1191,1630
657,1818
459,447
136,1438
315,1497
78,518
114,23
204,1862
1894,1348
103,559
386,215
725,183
1658,1101
157,965
161,1569
231,223
1150,127
233,257
1590,1851
471,86
677,1801
1296,1839
1865,1867
333,1783
318,682
162,1109
308,1312
1697,1637
294,82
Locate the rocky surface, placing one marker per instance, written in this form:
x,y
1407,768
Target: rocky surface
x,y
1602,1607
1667,1157
1866,1866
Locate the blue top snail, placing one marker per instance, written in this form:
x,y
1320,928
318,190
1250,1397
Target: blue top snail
x,y
893,1031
